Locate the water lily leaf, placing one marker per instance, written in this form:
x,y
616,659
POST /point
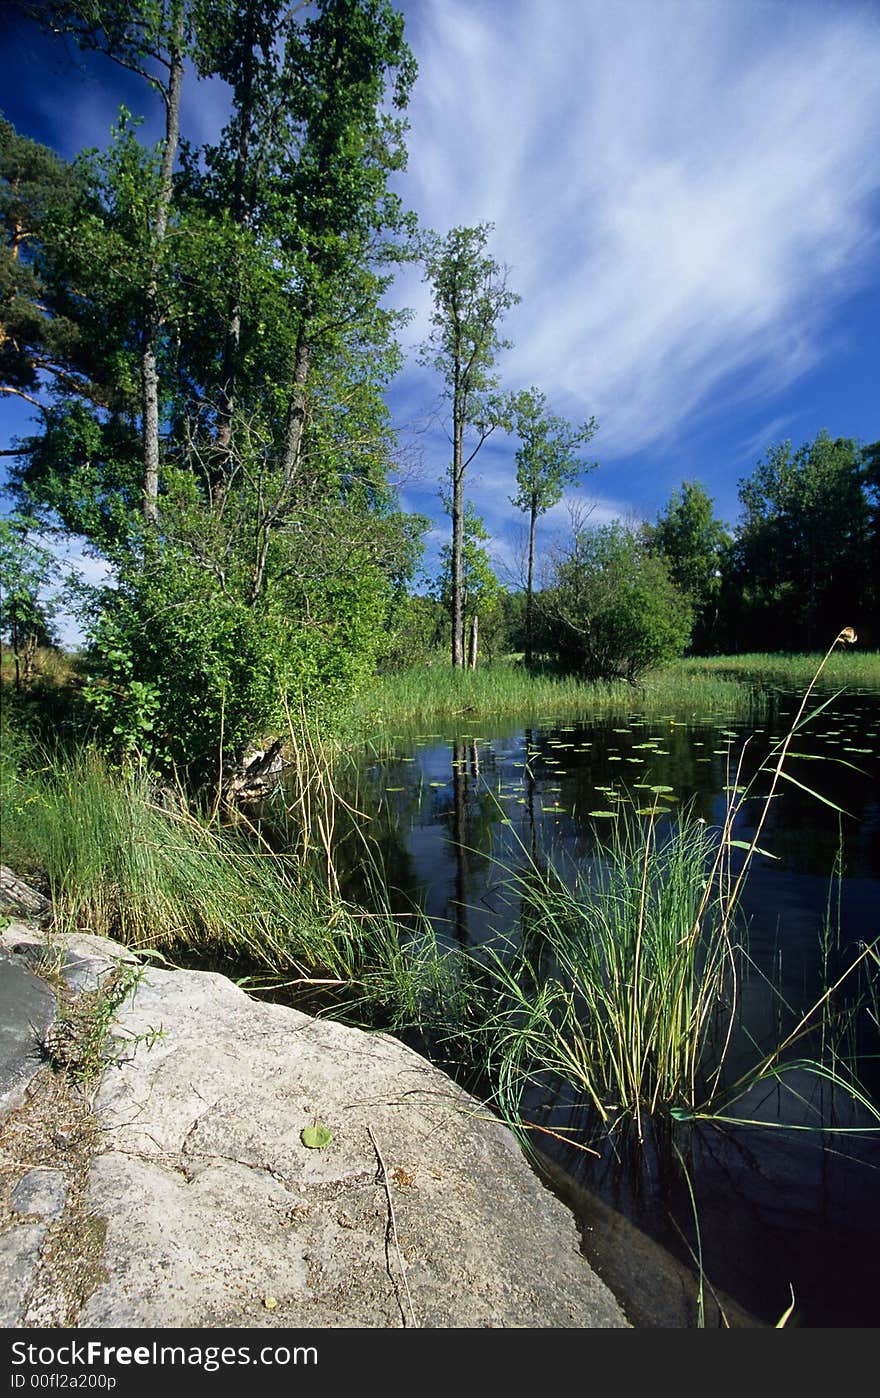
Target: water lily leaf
x,y
607,815
316,1137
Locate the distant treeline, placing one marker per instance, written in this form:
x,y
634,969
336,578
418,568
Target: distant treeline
x,y
802,562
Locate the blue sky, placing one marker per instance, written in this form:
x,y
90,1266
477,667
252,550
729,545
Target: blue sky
x,y
687,193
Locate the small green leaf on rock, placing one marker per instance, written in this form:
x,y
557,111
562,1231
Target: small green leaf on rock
x,y
316,1137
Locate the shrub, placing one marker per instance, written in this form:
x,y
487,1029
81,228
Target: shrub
x,y
612,610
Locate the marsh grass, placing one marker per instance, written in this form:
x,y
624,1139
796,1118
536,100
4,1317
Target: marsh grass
x,y
122,858
430,694
626,982
734,685
852,669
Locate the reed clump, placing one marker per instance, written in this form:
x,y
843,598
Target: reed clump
x,y
437,693
123,858
625,984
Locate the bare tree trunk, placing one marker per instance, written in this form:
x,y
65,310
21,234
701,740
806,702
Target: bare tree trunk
x,y
457,535
472,656
152,313
241,217
294,428
530,581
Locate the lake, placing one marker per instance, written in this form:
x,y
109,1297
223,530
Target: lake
x,y
451,812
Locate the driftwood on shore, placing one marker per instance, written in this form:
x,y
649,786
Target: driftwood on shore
x,y
257,776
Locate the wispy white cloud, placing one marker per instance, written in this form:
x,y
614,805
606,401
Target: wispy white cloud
x,y
684,191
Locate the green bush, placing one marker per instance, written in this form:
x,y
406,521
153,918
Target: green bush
x,y
612,611
183,666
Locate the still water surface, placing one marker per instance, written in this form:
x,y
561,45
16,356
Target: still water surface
x,y
453,811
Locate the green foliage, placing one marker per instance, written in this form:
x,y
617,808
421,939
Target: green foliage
x,y
547,458
471,297
183,667
696,546
252,281
418,627
546,462
801,561
26,569
80,1040
38,193
612,610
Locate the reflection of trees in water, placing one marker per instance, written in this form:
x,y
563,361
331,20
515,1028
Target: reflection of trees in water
x,y
470,818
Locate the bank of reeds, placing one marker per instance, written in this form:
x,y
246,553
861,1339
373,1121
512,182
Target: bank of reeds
x,y
850,669
428,694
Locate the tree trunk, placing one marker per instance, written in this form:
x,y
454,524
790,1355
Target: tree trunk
x,y
530,582
472,656
294,429
241,217
457,536
152,313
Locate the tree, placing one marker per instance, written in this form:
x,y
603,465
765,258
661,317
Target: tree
x,y
152,40
38,336
871,479
26,569
801,551
546,462
266,571
480,588
471,297
612,611
695,545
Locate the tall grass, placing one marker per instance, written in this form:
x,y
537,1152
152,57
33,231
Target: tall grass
x,y
626,984
853,669
619,979
437,693
123,859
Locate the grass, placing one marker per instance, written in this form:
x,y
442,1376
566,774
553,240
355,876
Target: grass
x,y
437,693
124,860
852,669
434,693
626,983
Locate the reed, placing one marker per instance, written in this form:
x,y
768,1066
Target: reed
x,y
626,982
125,859
437,693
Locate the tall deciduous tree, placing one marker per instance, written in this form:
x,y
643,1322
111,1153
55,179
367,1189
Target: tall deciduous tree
x,y
696,546
547,461
272,561
480,588
151,39
801,552
39,338
471,297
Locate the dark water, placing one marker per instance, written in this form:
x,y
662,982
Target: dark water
x,y
778,1207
